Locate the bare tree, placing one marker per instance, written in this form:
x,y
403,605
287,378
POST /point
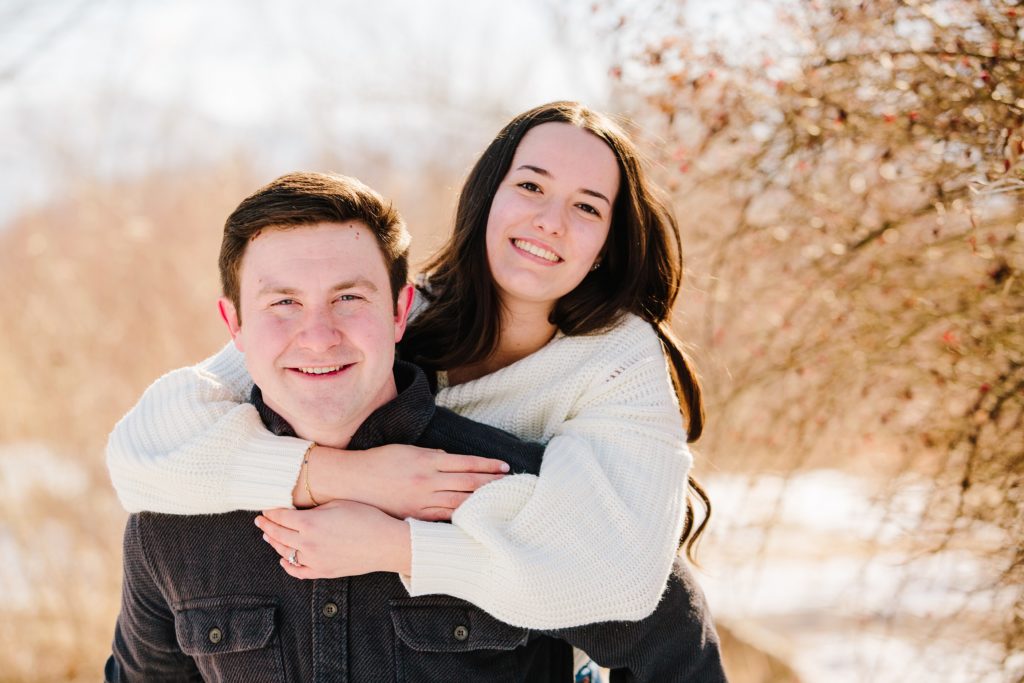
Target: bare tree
x,y
853,197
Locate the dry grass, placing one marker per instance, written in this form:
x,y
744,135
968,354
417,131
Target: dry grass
x,y
98,288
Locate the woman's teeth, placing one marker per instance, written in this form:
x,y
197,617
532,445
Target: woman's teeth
x,y
531,248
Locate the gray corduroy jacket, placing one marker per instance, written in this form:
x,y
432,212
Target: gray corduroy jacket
x,y
205,599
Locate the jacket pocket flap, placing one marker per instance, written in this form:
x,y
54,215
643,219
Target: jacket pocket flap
x,y
212,626
449,625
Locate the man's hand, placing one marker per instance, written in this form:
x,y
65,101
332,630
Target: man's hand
x,y
402,480
336,539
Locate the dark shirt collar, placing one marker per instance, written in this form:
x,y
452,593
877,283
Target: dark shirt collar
x,y
400,420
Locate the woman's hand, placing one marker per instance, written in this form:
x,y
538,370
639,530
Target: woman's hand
x,y
339,538
402,480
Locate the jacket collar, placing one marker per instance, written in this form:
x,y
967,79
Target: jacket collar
x,y
401,420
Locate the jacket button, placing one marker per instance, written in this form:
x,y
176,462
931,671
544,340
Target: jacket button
x,y
216,635
461,633
330,610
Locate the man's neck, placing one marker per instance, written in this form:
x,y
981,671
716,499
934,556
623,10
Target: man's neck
x,y
337,433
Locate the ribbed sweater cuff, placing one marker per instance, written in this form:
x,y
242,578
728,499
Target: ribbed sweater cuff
x,y
447,560
266,471
228,367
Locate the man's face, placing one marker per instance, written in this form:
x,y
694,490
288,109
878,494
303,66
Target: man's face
x,y
318,325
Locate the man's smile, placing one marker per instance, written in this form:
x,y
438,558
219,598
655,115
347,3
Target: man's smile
x,y
322,371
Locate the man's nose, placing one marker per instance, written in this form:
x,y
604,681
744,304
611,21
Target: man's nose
x,y
320,330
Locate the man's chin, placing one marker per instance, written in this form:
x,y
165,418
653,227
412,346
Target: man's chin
x,y
320,415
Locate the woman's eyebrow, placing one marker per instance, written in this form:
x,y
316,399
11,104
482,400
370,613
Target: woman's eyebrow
x,y
544,172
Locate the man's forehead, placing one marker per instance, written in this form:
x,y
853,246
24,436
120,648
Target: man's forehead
x,y
353,224
340,255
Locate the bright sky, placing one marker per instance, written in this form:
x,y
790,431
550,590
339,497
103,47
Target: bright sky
x,y
105,88
108,87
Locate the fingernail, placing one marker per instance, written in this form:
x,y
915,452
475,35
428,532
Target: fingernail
x,y
504,467
265,538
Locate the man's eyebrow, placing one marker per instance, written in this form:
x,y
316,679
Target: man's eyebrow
x,y
274,288
355,283
544,172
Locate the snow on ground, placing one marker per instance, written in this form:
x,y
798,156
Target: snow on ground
x,y
836,586
833,588
25,470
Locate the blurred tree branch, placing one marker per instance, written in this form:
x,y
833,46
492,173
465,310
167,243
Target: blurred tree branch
x,y
854,191
45,39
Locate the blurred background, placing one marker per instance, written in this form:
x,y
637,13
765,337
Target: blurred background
x,y
849,181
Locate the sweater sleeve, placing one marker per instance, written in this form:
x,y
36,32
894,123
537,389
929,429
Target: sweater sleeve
x,y
192,445
593,536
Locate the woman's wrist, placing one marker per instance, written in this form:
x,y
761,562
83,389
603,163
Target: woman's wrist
x,y
399,548
321,477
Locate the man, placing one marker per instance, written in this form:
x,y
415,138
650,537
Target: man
x,y
319,299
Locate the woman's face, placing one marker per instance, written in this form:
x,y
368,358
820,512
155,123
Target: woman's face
x,y
550,215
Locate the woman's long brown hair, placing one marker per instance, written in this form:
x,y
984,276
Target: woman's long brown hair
x,y
641,272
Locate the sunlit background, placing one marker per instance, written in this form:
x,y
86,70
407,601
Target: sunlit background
x,y
849,183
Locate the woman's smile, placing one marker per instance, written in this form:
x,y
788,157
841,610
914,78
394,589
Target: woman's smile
x,y
537,251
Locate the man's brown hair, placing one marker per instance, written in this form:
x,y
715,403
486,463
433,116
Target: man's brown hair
x,y
306,198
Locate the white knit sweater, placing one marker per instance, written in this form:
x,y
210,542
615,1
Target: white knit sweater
x,y
592,538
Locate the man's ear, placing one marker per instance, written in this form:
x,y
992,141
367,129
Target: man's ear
x,y
403,304
229,314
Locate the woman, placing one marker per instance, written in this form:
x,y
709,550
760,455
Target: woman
x,y
547,314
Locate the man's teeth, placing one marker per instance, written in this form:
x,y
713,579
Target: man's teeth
x,y
537,251
320,371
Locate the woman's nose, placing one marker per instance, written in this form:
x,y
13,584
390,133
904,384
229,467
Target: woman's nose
x,y
550,218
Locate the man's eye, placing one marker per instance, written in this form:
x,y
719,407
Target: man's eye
x,y
529,187
284,302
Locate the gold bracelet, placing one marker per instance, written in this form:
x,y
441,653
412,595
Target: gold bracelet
x,y
305,478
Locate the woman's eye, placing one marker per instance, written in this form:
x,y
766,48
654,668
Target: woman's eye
x,y
349,297
529,187
589,209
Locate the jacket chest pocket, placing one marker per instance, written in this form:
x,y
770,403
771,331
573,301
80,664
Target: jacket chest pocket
x,y
444,639
231,638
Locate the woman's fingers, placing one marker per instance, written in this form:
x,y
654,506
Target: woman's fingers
x,y
449,499
435,514
450,462
283,550
465,482
276,532
299,572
